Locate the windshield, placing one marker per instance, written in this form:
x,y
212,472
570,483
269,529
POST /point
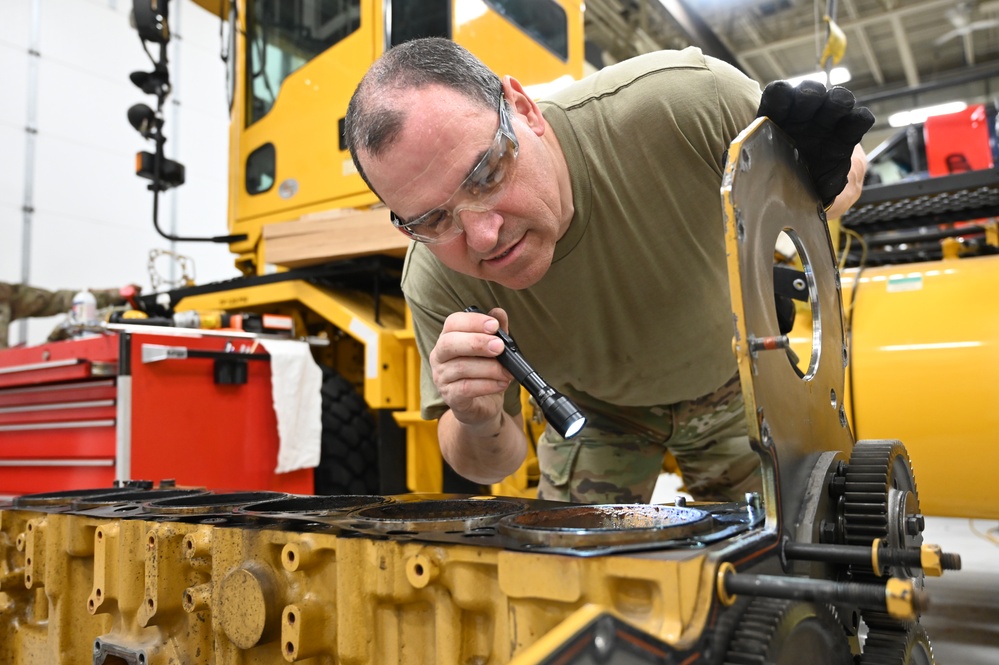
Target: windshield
x,y
283,35
544,20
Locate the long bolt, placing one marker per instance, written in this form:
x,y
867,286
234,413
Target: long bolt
x,y
867,596
858,555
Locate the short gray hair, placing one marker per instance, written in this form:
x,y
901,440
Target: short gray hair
x,y
373,118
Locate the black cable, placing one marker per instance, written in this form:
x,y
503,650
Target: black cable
x,y
158,157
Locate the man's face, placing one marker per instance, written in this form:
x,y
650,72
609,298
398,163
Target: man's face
x,y
508,236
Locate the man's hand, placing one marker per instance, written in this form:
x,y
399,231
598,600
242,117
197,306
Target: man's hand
x,y
478,439
825,125
466,372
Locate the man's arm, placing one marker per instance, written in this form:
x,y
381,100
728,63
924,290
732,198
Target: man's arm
x,y
484,454
854,185
5,319
31,301
477,438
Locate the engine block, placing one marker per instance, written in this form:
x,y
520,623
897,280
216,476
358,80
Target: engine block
x,y
161,576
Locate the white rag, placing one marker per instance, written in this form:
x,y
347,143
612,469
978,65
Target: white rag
x,y
296,382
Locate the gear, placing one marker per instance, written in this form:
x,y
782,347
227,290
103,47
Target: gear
x,y
898,647
880,501
879,496
782,632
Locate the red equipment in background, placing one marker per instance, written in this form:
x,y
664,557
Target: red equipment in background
x,y
958,142
137,405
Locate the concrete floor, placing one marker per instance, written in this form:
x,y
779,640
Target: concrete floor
x,y
963,619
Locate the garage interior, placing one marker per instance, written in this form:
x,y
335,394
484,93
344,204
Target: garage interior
x,y
901,55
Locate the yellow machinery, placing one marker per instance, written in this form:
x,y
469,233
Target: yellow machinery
x,y
154,576
921,329
924,350
921,316
310,239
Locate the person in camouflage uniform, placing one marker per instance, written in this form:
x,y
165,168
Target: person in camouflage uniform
x,y
20,301
588,225
617,457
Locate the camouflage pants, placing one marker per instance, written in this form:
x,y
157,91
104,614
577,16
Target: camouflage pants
x,y
617,460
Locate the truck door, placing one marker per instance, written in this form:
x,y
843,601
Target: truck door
x,y
299,64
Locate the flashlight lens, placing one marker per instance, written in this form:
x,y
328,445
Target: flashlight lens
x,y
574,427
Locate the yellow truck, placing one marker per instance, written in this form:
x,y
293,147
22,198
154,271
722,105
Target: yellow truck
x,y
310,240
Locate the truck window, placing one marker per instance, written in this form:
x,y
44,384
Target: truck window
x,y
544,20
901,157
412,20
283,35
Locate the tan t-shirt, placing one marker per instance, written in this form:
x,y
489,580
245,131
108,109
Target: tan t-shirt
x,y
634,310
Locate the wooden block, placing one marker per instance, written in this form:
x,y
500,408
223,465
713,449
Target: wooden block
x,y
336,234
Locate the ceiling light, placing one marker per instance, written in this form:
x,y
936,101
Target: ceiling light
x,y
837,76
915,116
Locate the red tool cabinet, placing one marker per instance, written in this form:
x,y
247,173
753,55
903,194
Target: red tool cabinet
x,y
137,405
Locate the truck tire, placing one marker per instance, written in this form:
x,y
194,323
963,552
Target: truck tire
x,y
349,459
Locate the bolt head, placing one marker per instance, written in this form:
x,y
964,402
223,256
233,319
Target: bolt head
x,y
837,486
827,532
914,524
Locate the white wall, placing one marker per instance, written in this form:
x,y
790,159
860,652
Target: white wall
x,y
92,220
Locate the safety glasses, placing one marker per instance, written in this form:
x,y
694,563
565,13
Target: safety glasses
x,y
479,192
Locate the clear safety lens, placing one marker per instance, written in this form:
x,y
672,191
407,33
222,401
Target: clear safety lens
x,y
478,192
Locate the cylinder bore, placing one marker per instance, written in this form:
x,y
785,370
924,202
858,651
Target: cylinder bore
x,y
602,525
434,515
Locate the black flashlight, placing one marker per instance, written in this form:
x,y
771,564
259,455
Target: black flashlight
x,y
560,411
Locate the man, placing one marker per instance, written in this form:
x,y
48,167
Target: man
x,y
588,225
20,301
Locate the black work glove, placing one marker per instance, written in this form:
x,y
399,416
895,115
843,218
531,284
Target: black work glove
x,y
825,125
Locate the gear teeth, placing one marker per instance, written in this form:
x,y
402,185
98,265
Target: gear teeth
x,y
752,635
762,620
896,647
865,497
869,478
879,621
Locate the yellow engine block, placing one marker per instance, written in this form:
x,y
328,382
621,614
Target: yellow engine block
x,y
133,577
